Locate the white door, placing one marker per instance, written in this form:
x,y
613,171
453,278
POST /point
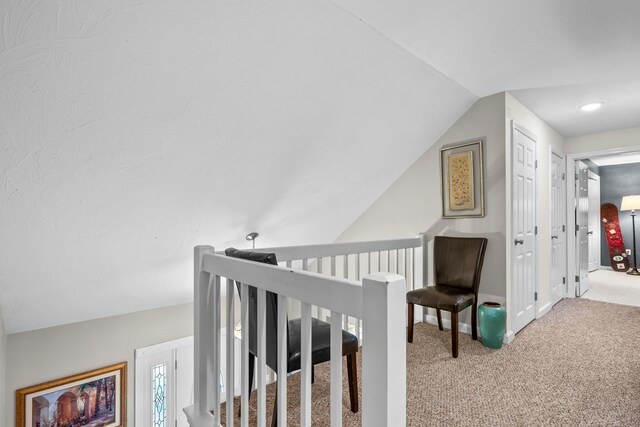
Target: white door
x,y
164,383
558,229
594,221
582,226
524,227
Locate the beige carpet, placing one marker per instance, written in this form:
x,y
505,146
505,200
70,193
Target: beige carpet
x,y
613,286
577,366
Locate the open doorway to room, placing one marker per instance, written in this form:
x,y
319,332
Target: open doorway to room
x,y
601,182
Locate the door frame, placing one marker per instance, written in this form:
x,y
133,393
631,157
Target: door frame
x,y
511,253
598,232
563,160
571,200
141,354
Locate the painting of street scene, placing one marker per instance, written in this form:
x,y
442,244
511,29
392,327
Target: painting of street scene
x,y
90,405
92,399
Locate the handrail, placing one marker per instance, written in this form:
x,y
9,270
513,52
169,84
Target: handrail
x,y
292,253
375,299
313,288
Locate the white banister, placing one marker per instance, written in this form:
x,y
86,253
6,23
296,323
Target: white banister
x,y
287,253
261,358
305,365
244,388
375,302
336,369
230,353
200,413
282,361
384,368
216,348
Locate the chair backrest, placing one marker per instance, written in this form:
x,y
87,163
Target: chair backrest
x,y
458,261
271,312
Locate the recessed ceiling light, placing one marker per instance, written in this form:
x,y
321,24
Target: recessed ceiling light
x,y
591,106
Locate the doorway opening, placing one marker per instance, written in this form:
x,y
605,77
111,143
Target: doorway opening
x,y
601,178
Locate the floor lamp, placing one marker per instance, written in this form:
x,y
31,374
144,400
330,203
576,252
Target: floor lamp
x,y
631,203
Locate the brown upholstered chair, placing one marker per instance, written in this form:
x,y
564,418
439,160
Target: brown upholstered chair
x,y
458,264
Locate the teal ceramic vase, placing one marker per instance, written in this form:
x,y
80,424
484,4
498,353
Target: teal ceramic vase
x,y
492,318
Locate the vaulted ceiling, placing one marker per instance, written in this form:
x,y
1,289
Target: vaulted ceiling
x,y
131,131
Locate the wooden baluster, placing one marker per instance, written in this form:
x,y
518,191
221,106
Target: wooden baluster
x,y
262,358
244,377
336,369
305,365
282,361
217,308
230,380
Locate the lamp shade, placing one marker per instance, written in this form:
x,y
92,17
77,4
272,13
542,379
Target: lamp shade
x,y
630,203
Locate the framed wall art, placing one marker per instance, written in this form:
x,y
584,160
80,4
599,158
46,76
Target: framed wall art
x,y
96,398
462,180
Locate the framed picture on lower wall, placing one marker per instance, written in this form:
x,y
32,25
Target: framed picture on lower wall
x,y
96,398
462,179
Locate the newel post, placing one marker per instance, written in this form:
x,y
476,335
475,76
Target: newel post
x,y
204,378
384,361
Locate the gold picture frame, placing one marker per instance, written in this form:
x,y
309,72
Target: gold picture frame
x,y
462,179
98,396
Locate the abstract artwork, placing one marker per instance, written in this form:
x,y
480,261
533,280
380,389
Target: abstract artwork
x,y
461,175
460,181
92,399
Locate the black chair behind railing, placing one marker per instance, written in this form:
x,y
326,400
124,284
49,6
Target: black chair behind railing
x,y
320,335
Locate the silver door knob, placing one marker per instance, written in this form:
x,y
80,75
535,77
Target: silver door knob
x,y
555,236
518,242
589,232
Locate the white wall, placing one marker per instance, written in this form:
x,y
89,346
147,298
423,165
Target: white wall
x,y
46,354
3,361
547,139
131,133
603,141
413,203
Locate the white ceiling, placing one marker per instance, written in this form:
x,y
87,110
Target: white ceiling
x,y
552,55
132,131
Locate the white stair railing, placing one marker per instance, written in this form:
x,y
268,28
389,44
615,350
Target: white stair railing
x,y
378,299
353,260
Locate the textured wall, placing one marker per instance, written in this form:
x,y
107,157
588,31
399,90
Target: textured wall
x,y
130,131
615,182
46,354
413,204
624,138
3,366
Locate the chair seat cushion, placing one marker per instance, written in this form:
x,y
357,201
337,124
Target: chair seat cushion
x,y
320,343
442,297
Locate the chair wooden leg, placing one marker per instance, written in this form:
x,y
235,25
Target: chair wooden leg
x,y
274,416
454,334
474,321
410,322
439,319
352,372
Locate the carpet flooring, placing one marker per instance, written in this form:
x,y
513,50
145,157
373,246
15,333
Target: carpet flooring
x,y
577,366
613,286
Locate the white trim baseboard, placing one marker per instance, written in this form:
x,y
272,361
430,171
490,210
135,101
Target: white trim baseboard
x,y
446,323
544,310
509,337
